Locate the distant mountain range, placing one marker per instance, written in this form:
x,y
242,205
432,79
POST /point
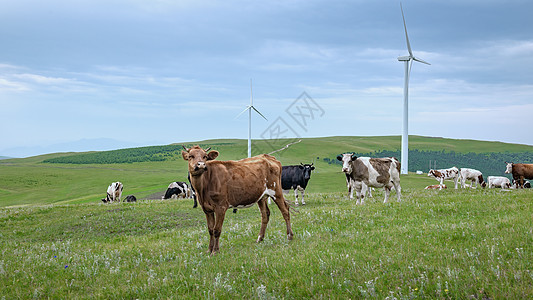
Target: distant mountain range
x,y
100,144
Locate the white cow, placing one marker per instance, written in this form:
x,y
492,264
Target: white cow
x,y
368,172
114,192
473,175
499,182
445,174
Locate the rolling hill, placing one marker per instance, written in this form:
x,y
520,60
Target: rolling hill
x,y
83,177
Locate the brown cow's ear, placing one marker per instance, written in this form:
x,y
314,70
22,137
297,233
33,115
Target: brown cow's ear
x,y
185,155
212,155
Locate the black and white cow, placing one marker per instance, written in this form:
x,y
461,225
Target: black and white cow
x,y
516,184
178,189
371,172
296,178
114,192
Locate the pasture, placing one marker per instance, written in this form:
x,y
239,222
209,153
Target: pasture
x,y
447,244
58,240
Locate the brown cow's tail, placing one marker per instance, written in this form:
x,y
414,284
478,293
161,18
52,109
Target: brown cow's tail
x,y
291,207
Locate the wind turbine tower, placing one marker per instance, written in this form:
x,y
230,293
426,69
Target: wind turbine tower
x,y
249,109
408,61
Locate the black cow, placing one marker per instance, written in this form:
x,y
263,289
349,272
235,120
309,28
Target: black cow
x,y
296,178
130,198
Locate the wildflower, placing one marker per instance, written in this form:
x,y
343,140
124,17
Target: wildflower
x,y
445,290
66,266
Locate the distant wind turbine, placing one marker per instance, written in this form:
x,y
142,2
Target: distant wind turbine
x,y
408,60
249,109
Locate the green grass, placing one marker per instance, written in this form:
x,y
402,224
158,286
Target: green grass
x,y
57,240
447,244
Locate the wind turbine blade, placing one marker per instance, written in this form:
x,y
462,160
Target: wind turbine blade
x,y
251,94
247,108
259,113
420,60
406,36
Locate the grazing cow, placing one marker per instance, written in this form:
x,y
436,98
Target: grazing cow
x,y
445,174
520,172
178,189
499,182
516,184
473,175
368,172
220,185
435,186
130,198
114,192
296,178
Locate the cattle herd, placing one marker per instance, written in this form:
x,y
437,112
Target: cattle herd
x,y
520,172
221,185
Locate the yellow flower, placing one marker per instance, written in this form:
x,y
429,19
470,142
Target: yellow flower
x,y
445,290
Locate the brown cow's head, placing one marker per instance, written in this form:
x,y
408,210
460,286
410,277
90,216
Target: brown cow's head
x,y
508,168
346,159
197,158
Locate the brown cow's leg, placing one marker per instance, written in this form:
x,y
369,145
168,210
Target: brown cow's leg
x,y
210,216
265,216
284,208
220,214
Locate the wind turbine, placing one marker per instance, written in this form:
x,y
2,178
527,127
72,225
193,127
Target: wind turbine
x,y
249,109
408,60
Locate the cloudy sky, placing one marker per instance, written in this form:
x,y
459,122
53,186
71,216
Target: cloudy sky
x,y
160,71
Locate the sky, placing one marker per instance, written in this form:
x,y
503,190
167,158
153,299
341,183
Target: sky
x,y
130,73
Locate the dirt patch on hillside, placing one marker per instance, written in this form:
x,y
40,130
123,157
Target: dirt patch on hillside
x,y
155,196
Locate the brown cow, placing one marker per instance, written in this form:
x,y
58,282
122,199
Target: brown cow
x,y
520,172
220,185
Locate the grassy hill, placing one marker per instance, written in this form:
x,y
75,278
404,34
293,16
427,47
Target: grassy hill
x,y
83,177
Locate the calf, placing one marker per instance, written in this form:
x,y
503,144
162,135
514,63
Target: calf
x,y
473,175
445,174
296,178
178,189
436,186
499,182
221,185
114,192
368,172
520,172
